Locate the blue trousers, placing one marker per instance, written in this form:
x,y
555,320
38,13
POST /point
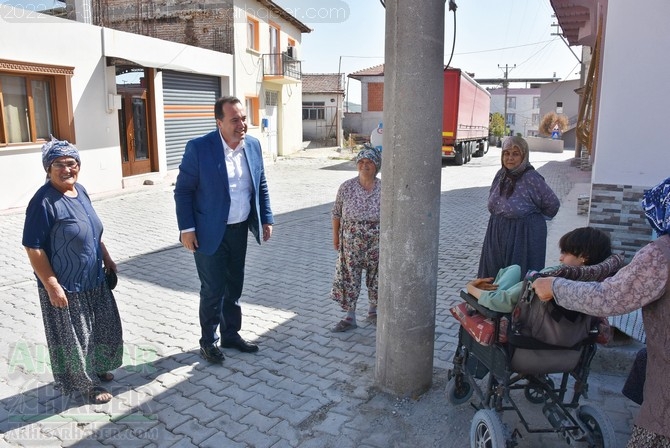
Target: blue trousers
x,y
221,281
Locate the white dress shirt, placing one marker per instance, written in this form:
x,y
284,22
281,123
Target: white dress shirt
x,y
239,182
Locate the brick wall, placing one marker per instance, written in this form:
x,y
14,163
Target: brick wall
x,y
375,96
207,24
616,210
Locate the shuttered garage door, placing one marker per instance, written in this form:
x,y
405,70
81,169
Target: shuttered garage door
x,y
189,110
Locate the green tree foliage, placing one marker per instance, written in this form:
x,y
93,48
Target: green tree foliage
x,y
497,124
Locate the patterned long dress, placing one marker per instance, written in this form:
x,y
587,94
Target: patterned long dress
x,y
643,283
517,228
358,211
85,338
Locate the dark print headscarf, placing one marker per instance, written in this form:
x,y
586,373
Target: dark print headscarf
x,y
58,148
656,204
509,177
371,154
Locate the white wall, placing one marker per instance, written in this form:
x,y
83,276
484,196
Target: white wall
x,y
52,41
97,135
319,129
631,146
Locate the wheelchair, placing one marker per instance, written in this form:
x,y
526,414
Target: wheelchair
x,y
497,369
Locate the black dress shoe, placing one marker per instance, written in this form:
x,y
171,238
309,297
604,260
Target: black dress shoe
x,y
241,345
212,354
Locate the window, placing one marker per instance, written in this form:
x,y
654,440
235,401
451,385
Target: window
x,y
313,110
536,102
251,105
29,95
511,118
536,119
252,34
511,102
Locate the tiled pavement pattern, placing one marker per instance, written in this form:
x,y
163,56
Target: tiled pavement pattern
x,y
306,387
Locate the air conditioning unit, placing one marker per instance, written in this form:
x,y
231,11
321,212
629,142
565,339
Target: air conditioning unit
x,y
290,52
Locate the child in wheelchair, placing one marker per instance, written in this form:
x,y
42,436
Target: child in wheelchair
x,y
518,340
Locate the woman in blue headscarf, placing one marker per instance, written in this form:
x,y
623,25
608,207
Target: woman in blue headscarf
x,y
355,216
644,283
62,236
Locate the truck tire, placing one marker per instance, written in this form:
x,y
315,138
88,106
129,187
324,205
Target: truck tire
x,y
481,149
459,158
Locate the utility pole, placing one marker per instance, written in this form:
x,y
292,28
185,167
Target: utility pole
x,y
506,86
410,204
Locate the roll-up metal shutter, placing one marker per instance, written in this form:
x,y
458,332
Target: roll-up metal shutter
x,y
189,110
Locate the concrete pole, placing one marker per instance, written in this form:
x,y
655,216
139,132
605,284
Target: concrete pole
x,y
410,209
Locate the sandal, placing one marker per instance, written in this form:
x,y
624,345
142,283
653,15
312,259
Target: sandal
x,y
106,377
372,318
343,325
98,395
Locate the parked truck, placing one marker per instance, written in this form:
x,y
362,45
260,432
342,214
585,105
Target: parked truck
x,y
465,121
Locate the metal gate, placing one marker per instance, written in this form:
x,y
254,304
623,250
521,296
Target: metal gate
x,y
189,110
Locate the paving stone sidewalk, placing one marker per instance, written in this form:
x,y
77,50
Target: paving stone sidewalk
x,y
307,387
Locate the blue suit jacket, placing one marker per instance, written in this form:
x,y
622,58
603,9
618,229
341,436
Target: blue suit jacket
x,y
202,193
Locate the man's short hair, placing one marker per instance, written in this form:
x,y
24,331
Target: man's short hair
x,y
218,106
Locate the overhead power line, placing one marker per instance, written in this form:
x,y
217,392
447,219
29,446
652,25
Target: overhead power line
x,y
507,48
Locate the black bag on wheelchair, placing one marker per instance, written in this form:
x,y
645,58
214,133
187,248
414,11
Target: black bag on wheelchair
x,y
546,337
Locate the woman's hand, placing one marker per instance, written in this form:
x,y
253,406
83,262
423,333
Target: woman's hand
x,y
56,293
543,288
107,261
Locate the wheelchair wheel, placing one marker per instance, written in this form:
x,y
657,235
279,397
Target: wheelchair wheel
x,y
535,393
458,391
599,426
487,430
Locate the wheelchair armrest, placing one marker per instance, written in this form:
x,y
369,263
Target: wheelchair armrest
x,y
474,303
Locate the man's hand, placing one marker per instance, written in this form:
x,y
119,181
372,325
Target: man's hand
x,y
267,231
543,288
189,241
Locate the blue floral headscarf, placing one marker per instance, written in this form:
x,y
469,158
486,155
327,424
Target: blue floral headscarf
x,y
371,154
656,204
58,148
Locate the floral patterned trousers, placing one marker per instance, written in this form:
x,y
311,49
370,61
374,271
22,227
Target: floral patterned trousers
x,y
642,438
359,250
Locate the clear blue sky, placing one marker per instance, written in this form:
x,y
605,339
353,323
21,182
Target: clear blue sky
x,y
488,33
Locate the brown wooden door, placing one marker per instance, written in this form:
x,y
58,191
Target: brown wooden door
x,y
134,129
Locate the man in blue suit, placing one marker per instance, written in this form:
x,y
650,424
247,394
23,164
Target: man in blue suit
x,y
220,194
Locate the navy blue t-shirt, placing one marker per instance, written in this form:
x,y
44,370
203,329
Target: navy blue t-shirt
x,y
68,230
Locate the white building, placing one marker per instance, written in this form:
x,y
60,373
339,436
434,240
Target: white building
x,y
523,109
322,106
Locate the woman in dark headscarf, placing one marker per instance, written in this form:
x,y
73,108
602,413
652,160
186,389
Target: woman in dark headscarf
x,y
520,201
356,238
644,283
62,236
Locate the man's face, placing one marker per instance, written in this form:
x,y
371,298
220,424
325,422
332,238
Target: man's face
x,y
233,127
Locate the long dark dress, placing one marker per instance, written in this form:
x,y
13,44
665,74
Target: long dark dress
x,y
85,338
517,228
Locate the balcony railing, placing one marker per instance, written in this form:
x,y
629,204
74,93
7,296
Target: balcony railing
x,y
281,65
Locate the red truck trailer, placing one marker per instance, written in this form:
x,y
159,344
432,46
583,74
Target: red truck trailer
x,y
465,121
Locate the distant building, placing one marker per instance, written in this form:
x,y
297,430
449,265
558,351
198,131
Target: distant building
x,y
523,109
372,100
322,107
